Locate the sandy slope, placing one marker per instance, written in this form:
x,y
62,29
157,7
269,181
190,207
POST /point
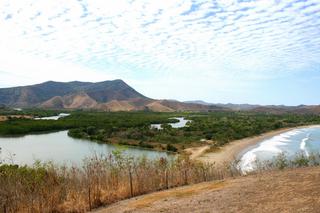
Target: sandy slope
x,y
293,191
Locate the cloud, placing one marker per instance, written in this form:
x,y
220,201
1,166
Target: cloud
x,y
147,40
28,70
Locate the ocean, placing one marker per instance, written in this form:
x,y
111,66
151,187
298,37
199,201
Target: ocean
x,y
298,141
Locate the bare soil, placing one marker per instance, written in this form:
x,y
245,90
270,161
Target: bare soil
x,y
6,117
196,152
295,190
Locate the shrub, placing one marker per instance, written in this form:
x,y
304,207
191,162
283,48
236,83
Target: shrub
x,y
171,148
281,161
301,160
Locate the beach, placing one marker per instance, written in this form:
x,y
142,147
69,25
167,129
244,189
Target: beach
x,y
235,149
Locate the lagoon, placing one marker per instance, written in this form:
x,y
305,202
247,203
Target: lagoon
x,y
56,117
61,149
181,123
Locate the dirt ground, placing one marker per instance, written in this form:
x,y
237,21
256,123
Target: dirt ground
x,y
196,152
5,117
296,190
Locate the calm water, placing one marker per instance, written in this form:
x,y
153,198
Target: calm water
x,y
303,140
61,115
60,148
182,123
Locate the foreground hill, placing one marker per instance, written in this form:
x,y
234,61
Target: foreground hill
x,y
295,190
113,95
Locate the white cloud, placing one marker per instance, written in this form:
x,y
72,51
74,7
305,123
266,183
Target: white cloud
x,y
145,40
27,70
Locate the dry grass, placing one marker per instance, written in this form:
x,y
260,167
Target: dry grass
x,y
102,180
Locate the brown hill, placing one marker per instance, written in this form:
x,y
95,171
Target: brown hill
x,y
73,101
181,106
81,100
158,107
116,105
53,103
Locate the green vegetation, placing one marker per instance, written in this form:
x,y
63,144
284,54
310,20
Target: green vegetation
x,y
223,127
32,111
282,161
133,128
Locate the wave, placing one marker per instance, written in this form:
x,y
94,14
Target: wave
x,y
304,143
249,160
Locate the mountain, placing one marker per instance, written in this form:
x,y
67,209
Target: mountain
x,y
35,95
272,109
236,107
116,95
301,109
198,102
113,95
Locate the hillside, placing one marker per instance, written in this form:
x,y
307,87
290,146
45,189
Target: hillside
x,y
295,190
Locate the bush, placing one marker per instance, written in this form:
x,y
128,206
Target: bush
x,y
301,160
281,161
171,148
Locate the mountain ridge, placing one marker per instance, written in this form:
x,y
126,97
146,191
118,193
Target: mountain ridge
x,y
117,95
35,95
112,95
272,109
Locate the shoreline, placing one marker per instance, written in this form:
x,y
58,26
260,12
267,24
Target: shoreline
x,y
235,149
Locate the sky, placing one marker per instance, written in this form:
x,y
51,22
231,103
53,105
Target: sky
x,y
219,51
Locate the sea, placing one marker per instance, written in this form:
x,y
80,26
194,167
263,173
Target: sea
x,y
304,141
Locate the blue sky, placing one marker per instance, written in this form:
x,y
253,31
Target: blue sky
x,y
239,51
